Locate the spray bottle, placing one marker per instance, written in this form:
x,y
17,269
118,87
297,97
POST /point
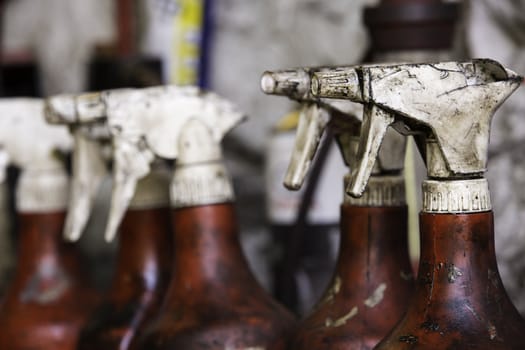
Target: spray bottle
x,y
412,31
144,251
372,282
459,301
41,309
213,300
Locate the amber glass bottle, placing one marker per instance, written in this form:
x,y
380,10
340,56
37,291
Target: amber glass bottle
x,y
372,282
371,286
138,286
214,301
49,299
460,302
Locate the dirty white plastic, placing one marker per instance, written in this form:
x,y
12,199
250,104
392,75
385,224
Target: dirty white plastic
x,y
149,123
92,154
88,171
345,118
38,150
449,104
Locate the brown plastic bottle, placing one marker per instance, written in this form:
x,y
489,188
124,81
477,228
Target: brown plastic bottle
x,y
373,281
49,299
371,286
459,302
214,301
139,283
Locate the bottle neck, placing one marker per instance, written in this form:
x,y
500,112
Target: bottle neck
x,y
449,192
213,300
459,297
47,266
372,284
207,249
40,239
374,247
458,250
381,191
200,184
456,196
458,281
144,250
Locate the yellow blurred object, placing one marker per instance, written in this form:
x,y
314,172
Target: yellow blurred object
x,y
187,42
288,122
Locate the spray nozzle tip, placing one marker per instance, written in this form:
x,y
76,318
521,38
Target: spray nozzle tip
x,y
292,185
268,83
60,109
294,83
354,191
315,85
71,236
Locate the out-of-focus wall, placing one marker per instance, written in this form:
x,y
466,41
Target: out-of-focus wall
x,y
252,36
60,34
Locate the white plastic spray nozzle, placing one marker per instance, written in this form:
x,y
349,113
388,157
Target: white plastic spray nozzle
x,y
314,116
148,123
64,109
29,143
88,171
312,124
450,104
316,113
294,83
89,164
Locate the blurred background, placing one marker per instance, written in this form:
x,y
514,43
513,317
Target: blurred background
x,y
67,46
